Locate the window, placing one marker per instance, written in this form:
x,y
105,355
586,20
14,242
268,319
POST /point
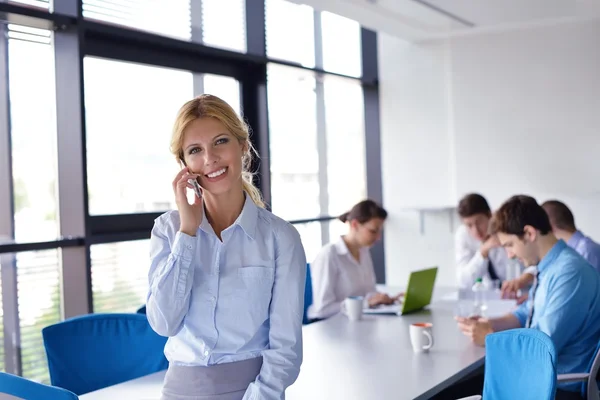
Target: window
x,y
224,24
120,276
225,87
33,134
129,119
293,143
341,45
163,17
38,289
218,23
346,154
310,233
130,167
290,32
34,3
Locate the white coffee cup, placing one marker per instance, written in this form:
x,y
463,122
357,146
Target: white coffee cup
x,y
421,336
352,307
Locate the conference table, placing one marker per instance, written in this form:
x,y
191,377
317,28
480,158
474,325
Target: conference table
x,y
371,358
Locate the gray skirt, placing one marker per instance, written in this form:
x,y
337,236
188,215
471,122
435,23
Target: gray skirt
x,y
216,382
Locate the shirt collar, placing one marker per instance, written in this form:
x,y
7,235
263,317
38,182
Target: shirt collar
x,y
247,219
551,255
575,238
341,247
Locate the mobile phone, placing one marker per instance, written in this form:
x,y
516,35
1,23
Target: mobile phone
x,y
193,182
196,186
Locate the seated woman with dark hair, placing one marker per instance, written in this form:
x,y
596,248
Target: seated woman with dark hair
x,y
344,268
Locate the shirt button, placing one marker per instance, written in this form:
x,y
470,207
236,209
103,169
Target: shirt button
x,y
213,299
205,353
189,246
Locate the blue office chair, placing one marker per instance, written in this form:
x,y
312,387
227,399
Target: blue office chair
x,y
523,361
30,390
308,298
94,351
519,363
141,310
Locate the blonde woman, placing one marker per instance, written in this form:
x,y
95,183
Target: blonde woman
x,y
226,275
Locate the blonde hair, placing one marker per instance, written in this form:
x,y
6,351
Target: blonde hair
x,y
209,106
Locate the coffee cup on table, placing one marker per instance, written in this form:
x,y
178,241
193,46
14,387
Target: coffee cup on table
x,y
421,336
352,307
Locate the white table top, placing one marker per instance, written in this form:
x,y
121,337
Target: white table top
x,y
373,358
367,359
144,388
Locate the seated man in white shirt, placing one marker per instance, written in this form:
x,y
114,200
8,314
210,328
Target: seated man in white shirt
x,y
478,254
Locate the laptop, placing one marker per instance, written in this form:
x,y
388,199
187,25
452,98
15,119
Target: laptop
x,y
417,296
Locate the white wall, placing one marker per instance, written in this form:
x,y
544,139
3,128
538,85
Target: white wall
x,y
417,166
415,123
497,113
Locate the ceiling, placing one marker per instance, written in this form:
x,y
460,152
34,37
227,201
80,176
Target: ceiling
x,y
429,19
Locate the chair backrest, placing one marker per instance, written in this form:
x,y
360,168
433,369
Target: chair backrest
x,y
590,390
30,390
519,363
308,298
141,310
98,350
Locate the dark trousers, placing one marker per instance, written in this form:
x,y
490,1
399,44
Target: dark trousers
x,y
473,385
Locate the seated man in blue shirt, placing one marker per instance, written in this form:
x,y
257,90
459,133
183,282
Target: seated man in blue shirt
x,y
563,226
565,302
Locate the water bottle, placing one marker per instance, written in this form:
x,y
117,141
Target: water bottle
x,y
479,299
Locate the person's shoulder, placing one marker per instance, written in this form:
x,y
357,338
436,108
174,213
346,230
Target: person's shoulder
x,y
570,256
168,220
282,229
461,233
592,245
463,239
570,263
329,250
327,255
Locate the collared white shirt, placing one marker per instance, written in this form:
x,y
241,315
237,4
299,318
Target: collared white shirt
x,y
336,275
470,264
233,300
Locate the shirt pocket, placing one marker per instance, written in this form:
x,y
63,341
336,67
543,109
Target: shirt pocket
x,y
255,285
254,273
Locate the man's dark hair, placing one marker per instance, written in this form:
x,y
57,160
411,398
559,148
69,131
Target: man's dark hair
x,y
560,215
473,204
517,212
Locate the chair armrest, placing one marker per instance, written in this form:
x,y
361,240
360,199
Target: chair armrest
x,y
562,378
476,397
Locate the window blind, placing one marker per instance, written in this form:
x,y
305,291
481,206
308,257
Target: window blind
x,y
34,35
120,276
34,3
163,17
39,305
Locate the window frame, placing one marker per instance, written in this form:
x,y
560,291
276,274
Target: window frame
x,y
74,38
